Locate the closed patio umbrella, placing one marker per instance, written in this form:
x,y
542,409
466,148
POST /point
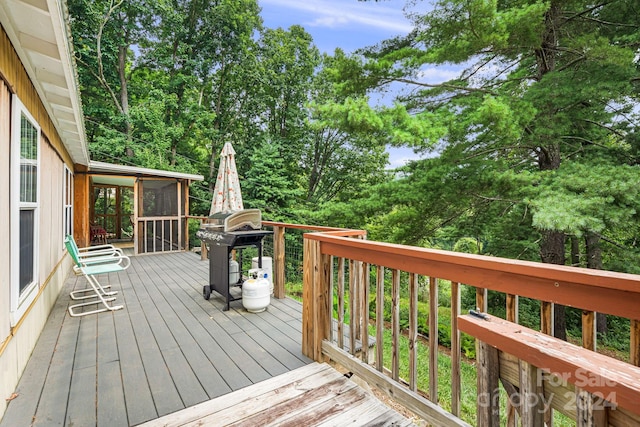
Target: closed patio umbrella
x,y
226,193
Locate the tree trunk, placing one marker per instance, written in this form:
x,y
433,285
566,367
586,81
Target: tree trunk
x,y
594,260
575,252
552,252
549,155
124,95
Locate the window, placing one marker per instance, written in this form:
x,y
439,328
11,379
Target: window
x,y
25,178
67,214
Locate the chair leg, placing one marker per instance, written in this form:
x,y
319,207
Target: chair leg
x,y
99,293
100,289
100,310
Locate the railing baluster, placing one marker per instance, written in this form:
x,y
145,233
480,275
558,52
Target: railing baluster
x,y
413,331
481,299
380,318
341,302
512,316
455,350
635,342
352,306
365,311
357,302
395,324
589,330
546,317
586,410
546,327
531,396
488,403
433,339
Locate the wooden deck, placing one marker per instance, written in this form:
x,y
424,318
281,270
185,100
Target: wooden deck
x,y
167,350
314,395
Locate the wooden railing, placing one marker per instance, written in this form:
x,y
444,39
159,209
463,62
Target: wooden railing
x,y
332,259
160,234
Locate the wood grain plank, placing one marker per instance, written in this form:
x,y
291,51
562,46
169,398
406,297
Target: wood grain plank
x,y
52,406
455,350
364,310
433,339
137,395
579,366
110,403
413,332
395,324
380,318
256,397
82,398
308,408
31,385
340,291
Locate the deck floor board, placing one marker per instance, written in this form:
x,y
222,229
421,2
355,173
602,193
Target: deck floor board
x,y
167,350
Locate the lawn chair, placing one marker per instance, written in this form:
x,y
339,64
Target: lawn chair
x,y
89,268
99,254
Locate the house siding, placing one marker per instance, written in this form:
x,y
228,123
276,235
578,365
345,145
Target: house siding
x,y
17,342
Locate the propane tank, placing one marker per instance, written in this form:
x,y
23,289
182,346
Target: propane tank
x,y
234,272
256,291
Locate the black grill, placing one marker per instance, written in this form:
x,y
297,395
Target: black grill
x,y
224,233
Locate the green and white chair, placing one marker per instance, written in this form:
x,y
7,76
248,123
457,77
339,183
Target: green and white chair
x,y
90,267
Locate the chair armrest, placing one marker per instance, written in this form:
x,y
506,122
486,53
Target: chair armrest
x,y
100,252
115,258
96,247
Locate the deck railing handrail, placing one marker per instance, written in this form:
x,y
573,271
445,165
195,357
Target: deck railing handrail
x,y
566,285
587,289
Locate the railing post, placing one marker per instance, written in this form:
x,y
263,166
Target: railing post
x,y
204,252
278,260
488,403
316,300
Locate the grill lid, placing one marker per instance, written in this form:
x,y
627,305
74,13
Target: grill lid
x,y
246,219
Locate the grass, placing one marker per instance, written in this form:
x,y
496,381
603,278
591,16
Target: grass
x,y
467,380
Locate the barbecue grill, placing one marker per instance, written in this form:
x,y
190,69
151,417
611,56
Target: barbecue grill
x,y
224,232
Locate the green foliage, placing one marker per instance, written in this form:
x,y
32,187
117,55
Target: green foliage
x,y
266,185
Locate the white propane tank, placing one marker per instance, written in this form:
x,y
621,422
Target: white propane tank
x,y
267,267
256,292
234,272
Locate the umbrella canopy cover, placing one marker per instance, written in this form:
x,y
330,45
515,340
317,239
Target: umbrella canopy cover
x,y
226,193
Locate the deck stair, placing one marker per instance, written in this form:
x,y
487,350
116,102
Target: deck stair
x,y
314,395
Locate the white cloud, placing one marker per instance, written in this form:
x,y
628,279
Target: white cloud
x,y
341,13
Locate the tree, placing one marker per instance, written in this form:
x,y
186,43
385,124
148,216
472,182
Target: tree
x,y
104,32
545,86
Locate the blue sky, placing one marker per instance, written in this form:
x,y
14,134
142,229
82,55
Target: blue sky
x,y
348,24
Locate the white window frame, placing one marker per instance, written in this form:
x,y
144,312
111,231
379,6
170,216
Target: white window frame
x,y
67,203
21,301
